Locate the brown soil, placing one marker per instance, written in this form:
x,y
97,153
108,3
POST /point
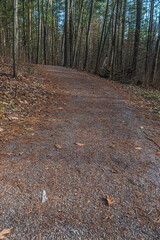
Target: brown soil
x,y
94,152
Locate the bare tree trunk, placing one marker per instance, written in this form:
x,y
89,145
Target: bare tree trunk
x,y
113,44
66,30
78,34
29,31
123,31
53,33
107,33
102,33
15,37
137,36
88,35
45,30
39,25
117,44
155,59
149,45
71,33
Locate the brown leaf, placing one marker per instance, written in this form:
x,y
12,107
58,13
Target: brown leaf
x,y
9,154
113,171
58,146
109,200
20,153
5,232
138,148
14,118
80,144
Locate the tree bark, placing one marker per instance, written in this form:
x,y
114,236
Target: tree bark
x,y
149,45
15,38
29,31
78,34
102,34
107,34
71,33
123,32
66,30
53,34
137,37
155,59
88,35
45,30
39,25
113,47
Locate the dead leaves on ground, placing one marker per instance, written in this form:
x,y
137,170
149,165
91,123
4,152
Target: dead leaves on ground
x,y
5,232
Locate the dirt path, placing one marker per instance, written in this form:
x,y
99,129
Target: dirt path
x,y
119,159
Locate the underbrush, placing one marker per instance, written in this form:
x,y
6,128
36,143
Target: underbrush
x,y
20,95
150,94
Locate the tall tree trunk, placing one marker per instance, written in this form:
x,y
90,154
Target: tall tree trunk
x,y
53,32
117,54
155,59
39,26
15,37
106,35
137,37
88,35
78,34
123,32
102,33
147,63
6,31
45,30
24,24
66,30
113,44
29,30
71,33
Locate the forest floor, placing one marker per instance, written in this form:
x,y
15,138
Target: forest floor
x,y
93,145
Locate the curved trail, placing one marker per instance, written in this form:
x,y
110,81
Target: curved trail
x,y
106,151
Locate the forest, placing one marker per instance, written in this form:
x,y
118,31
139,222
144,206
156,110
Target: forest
x,y
116,39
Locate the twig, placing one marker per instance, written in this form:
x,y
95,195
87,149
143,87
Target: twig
x,y
150,139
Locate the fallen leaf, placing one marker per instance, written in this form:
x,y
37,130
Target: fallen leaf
x,y
58,146
80,144
109,200
113,171
20,153
138,148
14,118
9,154
5,232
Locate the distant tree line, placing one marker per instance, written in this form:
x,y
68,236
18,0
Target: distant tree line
x,y
118,39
